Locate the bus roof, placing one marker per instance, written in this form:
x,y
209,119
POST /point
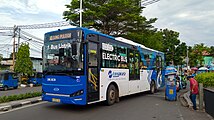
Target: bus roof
x,y
86,30
121,39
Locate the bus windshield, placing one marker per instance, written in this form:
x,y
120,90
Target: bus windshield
x,y
1,77
59,57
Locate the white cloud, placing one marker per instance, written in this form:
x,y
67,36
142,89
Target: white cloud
x,y
27,12
57,6
193,19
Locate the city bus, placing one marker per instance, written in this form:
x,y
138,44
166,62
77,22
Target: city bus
x,y
82,66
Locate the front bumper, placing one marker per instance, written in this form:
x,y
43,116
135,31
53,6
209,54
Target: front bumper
x,y
65,99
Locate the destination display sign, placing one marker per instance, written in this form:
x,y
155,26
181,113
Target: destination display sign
x,y
61,36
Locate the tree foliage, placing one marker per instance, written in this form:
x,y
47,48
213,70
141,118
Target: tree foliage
x,y
172,46
23,63
211,50
112,17
1,58
196,54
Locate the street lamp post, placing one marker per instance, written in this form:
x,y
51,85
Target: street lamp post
x,y
187,60
80,13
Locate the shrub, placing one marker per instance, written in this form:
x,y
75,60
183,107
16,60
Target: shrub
x,y
4,99
206,78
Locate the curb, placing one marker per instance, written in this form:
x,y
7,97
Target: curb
x,y
182,99
19,104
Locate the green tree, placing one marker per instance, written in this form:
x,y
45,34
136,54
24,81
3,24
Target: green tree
x,y
23,63
113,17
192,57
198,50
211,51
170,43
180,54
149,38
195,54
1,58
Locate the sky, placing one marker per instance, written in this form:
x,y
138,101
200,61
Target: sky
x,y
193,19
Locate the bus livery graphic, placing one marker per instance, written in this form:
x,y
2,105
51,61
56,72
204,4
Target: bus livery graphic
x,y
82,66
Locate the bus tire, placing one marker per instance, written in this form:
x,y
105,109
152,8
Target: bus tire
x,y
5,88
152,87
15,87
111,95
117,100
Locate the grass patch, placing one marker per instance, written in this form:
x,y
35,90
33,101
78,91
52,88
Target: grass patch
x,y
4,99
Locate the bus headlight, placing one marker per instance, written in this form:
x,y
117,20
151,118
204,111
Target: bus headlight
x,y
79,92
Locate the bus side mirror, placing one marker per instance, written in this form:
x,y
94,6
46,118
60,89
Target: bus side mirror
x,y
74,49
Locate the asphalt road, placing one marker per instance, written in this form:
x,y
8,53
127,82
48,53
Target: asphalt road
x,y
20,91
136,107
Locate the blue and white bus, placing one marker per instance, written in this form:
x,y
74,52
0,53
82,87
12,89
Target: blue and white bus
x,y
82,66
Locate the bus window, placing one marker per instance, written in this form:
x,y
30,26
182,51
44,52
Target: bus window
x,y
1,77
122,53
6,76
92,54
109,55
146,56
137,70
131,65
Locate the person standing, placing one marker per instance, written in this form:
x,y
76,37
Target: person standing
x,y
193,90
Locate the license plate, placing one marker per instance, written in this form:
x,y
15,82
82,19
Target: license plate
x,y
55,100
170,91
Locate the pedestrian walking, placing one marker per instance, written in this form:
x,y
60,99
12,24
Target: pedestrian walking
x,y
193,90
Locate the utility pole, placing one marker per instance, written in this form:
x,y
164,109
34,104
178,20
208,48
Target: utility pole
x,y
18,39
14,41
187,59
80,13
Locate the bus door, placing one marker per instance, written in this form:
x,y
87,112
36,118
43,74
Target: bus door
x,y
93,71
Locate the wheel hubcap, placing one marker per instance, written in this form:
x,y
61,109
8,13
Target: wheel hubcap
x,y
112,95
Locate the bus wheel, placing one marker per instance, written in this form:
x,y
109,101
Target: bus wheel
x,y
111,95
16,87
5,88
117,100
152,87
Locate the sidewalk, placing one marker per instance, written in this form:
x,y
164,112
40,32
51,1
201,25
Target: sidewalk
x,y
15,104
186,100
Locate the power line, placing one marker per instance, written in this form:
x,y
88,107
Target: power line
x,y
30,35
29,39
39,26
148,2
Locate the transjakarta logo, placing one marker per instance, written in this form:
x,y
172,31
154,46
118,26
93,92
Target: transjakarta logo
x,y
115,74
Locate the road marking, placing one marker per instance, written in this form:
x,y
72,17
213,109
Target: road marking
x,y
23,107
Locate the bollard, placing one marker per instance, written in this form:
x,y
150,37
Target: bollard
x,y
201,96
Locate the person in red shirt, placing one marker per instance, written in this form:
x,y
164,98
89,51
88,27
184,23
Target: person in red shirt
x,y
193,90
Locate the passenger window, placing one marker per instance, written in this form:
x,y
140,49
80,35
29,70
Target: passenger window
x,y
92,51
137,60
6,76
131,65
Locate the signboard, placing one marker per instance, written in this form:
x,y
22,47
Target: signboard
x,y
60,36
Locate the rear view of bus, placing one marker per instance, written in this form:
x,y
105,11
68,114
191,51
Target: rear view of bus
x,y
64,80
